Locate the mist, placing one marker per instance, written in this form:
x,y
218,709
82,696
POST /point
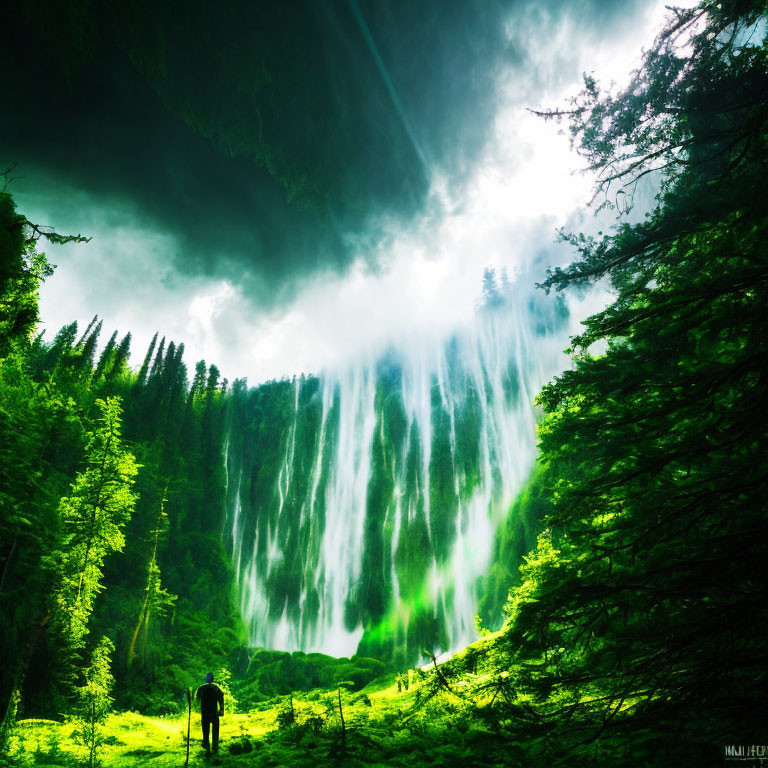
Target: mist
x,y
269,285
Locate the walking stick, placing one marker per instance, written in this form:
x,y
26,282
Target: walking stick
x,y
189,722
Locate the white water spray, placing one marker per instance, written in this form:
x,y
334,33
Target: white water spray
x,y
327,536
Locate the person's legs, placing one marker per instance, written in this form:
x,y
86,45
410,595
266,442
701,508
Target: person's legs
x,y
206,731
215,734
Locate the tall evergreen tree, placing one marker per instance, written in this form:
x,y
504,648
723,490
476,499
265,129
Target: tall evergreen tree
x,y
88,330
93,701
198,382
22,270
122,355
142,376
157,364
61,348
50,575
156,598
635,632
94,515
88,352
106,358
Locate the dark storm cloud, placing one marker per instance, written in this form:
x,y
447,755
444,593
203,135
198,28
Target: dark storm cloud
x,y
264,136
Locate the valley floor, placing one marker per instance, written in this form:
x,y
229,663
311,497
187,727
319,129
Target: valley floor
x,y
383,727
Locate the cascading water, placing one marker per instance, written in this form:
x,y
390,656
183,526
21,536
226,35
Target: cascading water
x,y
362,504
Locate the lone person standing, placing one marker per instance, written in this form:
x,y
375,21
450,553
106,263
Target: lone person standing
x,y
211,699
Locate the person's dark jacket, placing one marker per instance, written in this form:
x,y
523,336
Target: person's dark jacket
x,y
211,699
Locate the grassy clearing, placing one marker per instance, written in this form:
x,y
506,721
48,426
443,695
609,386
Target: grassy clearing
x,y
427,724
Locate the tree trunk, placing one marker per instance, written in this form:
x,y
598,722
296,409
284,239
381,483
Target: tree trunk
x,y
343,725
143,614
189,722
13,702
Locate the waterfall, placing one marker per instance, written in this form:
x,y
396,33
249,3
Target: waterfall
x,y
362,504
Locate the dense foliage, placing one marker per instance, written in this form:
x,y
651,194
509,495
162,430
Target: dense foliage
x,y
637,630
88,510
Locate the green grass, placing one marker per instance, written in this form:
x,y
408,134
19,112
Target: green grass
x,y
427,725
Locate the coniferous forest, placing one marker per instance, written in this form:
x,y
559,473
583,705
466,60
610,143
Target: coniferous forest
x,y
362,556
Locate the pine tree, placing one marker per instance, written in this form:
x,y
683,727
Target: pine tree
x,y
93,514
93,701
212,383
157,364
61,581
156,599
22,270
106,358
629,633
121,356
93,322
168,365
142,375
62,347
92,518
87,353
198,382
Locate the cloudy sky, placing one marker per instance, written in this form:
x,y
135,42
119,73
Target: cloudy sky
x,y
282,186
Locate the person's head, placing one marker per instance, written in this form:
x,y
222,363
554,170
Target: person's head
x,y
209,677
